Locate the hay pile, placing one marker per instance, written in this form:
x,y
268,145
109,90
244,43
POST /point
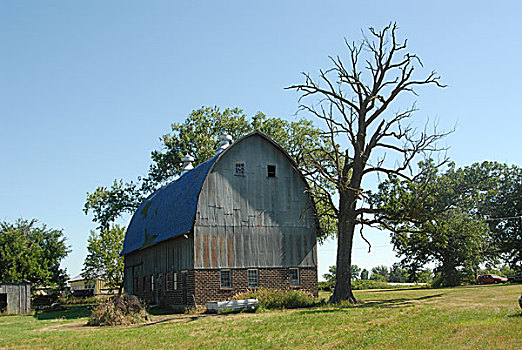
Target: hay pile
x,y
119,311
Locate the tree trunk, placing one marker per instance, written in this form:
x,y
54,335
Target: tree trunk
x,y
343,280
450,277
346,228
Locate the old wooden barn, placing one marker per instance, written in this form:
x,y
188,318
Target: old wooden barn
x,y
242,219
15,298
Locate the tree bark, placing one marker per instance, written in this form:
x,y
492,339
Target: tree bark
x,y
346,229
343,280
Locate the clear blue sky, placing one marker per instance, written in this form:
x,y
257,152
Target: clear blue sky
x,y
87,88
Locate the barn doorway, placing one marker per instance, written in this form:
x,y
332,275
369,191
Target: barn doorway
x,y
3,302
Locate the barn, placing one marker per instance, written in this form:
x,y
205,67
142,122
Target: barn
x,y
15,298
243,219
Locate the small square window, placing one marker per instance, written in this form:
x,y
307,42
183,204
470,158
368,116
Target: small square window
x,y
271,171
226,279
294,277
240,169
253,278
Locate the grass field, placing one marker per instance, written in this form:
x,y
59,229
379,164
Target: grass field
x,y
473,317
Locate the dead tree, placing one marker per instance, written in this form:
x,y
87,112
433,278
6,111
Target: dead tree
x,y
353,101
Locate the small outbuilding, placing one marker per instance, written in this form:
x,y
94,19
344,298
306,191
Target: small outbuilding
x,y
15,298
80,286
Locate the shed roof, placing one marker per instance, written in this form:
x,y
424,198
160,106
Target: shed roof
x,y
168,212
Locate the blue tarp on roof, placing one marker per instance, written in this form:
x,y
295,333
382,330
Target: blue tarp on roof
x,y
168,212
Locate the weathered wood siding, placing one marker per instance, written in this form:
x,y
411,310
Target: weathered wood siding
x,y
172,255
18,297
254,220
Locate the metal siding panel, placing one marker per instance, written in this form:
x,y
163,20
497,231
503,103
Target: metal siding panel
x,y
222,249
214,249
230,249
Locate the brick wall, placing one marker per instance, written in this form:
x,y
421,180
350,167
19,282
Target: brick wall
x,y
205,285
208,288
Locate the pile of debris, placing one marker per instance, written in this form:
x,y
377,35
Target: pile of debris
x,y
119,311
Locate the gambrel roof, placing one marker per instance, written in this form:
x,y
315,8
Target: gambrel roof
x,y
170,211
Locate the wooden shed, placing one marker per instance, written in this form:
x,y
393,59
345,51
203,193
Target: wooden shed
x,y
15,298
243,219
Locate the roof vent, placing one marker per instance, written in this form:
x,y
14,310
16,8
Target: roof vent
x,y
187,164
225,142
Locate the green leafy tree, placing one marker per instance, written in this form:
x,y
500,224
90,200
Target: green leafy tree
x,y
380,273
354,101
398,274
103,261
33,253
365,274
502,208
332,272
434,219
197,136
330,277
356,272
423,276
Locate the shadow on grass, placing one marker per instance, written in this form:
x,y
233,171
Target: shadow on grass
x,y
517,315
393,289
388,303
70,313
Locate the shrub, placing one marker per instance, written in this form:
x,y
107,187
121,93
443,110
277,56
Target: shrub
x,y
44,299
72,300
325,285
279,299
369,284
117,311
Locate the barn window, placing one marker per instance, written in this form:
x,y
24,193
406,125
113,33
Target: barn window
x,y
226,279
253,278
271,171
175,278
240,169
152,283
294,277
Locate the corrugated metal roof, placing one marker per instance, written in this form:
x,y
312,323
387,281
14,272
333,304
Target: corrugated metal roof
x,y
168,212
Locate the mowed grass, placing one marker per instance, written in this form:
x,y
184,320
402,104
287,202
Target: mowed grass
x,y
473,317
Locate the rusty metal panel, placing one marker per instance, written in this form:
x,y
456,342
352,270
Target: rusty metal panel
x,y
253,220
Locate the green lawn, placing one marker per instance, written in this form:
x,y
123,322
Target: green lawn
x,y
474,317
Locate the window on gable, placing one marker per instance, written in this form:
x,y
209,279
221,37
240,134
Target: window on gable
x,y
271,171
240,169
294,277
226,279
253,278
